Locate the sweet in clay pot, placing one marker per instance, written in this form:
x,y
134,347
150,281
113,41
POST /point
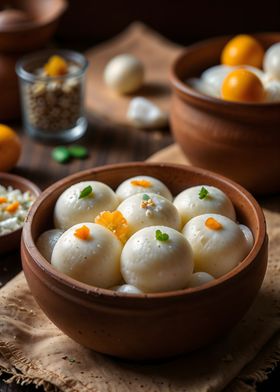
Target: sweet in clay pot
x,y
25,25
238,140
154,325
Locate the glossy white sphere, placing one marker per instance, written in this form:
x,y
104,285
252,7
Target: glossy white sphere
x,y
248,235
271,63
70,209
189,204
127,288
215,251
156,266
95,261
153,185
124,74
199,278
47,241
157,210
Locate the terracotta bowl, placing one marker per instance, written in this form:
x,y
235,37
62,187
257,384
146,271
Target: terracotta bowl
x,y
11,241
145,326
238,140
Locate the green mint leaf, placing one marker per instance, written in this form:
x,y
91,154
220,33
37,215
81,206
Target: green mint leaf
x,y
160,236
60,154
86,192
146,197
203,193
78,152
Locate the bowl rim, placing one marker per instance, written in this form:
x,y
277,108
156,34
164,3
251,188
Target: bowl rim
x,y
46,267
185,90
35,190
32,25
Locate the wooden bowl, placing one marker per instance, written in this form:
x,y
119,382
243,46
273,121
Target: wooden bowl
x,y
238,140
145,326
11,241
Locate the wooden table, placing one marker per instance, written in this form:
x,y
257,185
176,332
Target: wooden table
x,y
106,144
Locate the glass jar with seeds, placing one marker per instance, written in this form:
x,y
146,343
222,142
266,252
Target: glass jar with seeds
x,y
52,89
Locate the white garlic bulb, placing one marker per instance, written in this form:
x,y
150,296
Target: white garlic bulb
x,y
124,74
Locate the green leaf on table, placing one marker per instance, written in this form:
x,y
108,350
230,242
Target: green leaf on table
x,y
77,151
61,154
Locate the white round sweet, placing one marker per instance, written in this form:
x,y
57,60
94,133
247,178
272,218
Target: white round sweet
x,y
143,210
248,235
155,265
271,62
142,184
47,241
216,251
95,260
272,90
127,288
191,203
199,278
70,208
124,74
213,77
202,87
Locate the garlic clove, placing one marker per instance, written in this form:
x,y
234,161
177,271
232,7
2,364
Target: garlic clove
x,y
143,113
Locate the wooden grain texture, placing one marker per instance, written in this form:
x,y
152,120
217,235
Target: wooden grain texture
x,y
157,55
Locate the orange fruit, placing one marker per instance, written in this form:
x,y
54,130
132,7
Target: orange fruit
x,y
243,50
10,148
242,85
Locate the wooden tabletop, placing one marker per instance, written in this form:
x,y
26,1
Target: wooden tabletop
x,y
106,144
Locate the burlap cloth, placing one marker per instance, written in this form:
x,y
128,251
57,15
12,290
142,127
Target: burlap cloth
x,y
33,350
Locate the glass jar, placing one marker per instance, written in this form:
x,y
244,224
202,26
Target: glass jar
x,y
52,106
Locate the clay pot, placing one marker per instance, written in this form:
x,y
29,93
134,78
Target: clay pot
x,y
27,26
11,241
145,326
238,140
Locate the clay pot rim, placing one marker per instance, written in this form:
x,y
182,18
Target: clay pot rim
x,y
33,25
188,92
89,290
21,183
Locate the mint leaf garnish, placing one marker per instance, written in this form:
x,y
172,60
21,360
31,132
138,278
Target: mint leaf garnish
x,y
86,192
160,236
203,193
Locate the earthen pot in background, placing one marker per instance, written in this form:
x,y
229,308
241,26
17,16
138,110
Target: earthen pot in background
x,y
25,26
145,326
238,140
11,241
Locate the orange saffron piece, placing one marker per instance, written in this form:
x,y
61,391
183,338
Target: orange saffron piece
x,y
213,224
3,200
56,66
12,207
82,232
143,183
115,222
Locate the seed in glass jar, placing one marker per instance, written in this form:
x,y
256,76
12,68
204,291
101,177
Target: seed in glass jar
x,y
39,89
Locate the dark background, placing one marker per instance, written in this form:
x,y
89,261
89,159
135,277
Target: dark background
x,y
87,22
